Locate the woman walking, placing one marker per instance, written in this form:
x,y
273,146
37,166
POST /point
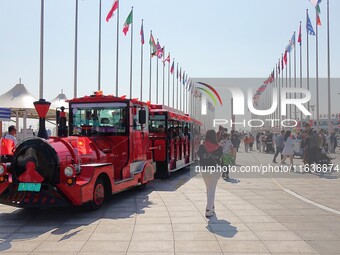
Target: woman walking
x,y
210,154
288,149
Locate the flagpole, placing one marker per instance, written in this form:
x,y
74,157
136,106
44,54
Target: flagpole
x,y
41,72
307,43
75,81
99,44
173,85
290,83
295,109
169,63
141,66
131,54
287,113
157,77
330,127
163,75
301,76
150,71
177,89
281,117
180,93
317,73
117,50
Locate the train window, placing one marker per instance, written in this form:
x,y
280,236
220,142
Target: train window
x,y
157,123
99,118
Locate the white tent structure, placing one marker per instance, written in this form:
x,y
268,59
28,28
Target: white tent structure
x,y
59,101
20,101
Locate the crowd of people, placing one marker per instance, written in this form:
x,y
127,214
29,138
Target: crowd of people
x,y
220,149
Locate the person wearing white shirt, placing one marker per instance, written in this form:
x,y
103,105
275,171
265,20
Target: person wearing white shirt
x,y
12,132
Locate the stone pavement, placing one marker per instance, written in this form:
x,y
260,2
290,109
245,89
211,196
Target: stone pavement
x,y
291,213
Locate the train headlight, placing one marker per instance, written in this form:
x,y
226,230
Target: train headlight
x,y
2,169
69,171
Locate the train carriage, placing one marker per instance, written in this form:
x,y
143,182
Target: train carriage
x,y
175,137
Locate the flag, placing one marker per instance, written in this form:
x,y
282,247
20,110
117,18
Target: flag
x,y
177,71
318,11
278,67
300,35
153,44
292,41
315,2
111,12
142,34
128,22
172,67
167,59
310,29
289,47
282,64
180,74
285,57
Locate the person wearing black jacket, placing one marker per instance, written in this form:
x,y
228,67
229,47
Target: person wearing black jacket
x,y
210,154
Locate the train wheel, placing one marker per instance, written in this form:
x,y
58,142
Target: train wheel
x,y
98,195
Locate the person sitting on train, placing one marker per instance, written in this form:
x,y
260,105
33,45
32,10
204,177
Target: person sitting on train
x,y
179,133
186,132
160,129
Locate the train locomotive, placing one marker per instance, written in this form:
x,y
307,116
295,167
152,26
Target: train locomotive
x,y
107,147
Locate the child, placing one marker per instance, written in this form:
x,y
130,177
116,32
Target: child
x,y
227,158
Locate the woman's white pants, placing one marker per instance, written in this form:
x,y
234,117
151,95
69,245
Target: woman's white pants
x,y
210,180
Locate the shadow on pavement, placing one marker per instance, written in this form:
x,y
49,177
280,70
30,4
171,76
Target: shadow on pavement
x,y
221,227
63,223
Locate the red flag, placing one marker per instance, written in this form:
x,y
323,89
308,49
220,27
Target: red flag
x,y
167,59
300,35
111,12
172,67
285,58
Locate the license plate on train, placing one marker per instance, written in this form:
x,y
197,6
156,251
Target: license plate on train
x,y
34,187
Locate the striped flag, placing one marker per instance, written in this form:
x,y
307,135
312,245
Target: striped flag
x,y
128,22
309,26
153,43
111,12
172,67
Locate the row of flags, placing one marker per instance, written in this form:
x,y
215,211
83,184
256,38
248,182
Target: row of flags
x,y
291,45
157,50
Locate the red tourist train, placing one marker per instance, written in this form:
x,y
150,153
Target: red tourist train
x,y
110,144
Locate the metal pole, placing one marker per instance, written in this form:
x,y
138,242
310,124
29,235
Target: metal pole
x,y
295,109
117,51
317,74
307,41
173,85
301,78
169,63
150,71
99,43
157,78
177,89
76,53
330,127
41,77
131,55
163,77
141,70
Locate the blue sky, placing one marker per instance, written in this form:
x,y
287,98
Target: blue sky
x,y
217,38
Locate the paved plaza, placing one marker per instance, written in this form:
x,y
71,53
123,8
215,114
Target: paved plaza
x,y
286,213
